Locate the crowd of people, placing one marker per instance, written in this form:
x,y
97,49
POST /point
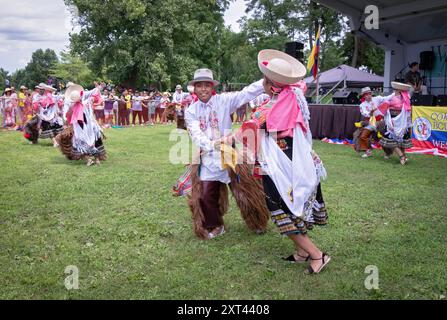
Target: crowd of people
x,y
116,108
124,107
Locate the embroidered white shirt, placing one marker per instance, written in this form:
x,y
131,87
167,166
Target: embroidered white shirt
x,y
207,122
178,96
367,106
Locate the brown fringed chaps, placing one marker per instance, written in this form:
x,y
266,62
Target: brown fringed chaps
x,y
64,139
247,192
250,198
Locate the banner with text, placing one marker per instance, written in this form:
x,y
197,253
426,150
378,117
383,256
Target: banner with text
x,y
430,130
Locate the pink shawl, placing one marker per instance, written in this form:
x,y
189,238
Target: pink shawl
x,y
78,112
286,112
397,103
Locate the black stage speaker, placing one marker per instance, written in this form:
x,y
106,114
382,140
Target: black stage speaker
x,y
427,60
345,97
423,100
441,100
416,99
295,49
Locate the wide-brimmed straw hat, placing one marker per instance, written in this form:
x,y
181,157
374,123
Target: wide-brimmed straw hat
x,y
280,67
41,86
8,89
178,87
203,75
23,88
50,88
73,93
365,90
400,86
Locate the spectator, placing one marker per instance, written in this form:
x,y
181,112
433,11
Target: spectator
x,y
145,106
137,108
108,108
123,117
98,108
158,111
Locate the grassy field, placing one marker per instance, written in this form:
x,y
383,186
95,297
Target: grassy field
x,y
130,239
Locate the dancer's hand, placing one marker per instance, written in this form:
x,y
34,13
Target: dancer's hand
x,y
226,140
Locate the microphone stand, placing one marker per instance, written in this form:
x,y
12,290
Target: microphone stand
x,y
400,73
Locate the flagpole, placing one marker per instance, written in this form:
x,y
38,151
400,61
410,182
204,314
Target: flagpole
x,y
318,89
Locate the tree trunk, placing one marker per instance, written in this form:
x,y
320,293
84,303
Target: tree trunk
x,y
356,51
131,80
311,36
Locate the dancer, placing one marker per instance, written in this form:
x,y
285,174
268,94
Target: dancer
x,y
207,121
47,123
83,139
371,114
291,169
397,113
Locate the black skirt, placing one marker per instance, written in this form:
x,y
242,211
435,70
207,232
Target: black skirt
x,y
49,130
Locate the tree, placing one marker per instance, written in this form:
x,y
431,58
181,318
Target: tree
x,y
367,54
275,22
18,78
140,42
238,63
73,68
39,68
3,76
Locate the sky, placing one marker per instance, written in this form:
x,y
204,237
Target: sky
x,y
26,26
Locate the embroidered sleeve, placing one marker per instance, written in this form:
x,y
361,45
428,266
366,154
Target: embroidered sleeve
x,y
236,99
379,99
364,109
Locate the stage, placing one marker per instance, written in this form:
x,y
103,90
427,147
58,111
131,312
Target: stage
x,y
333,120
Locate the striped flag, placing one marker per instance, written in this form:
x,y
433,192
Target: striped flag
x,y
312,63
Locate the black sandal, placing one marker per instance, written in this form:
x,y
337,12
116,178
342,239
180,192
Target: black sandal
x,y
325,260
291,258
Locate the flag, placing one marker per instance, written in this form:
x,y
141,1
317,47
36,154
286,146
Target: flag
x,y
312,63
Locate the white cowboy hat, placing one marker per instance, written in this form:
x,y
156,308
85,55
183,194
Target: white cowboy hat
x,y
365,90
41,86
8,89
178,87
280,67
203,75
400,86
73,93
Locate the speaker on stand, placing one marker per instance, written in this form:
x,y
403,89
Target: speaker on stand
x,y
295,49
427,62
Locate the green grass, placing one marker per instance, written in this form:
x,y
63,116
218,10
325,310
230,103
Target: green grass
x,y
130,239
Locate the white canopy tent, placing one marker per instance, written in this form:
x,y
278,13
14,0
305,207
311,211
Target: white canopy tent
x,y
406,28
